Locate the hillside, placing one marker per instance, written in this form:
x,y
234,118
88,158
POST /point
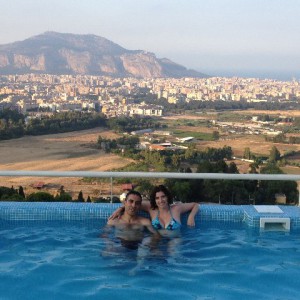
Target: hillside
x,y
64,53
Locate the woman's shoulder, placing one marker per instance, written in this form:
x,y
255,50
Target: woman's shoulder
x,y
182,207
176,206
153,211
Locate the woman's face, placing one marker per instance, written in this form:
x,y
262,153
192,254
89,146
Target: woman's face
x,y
161,199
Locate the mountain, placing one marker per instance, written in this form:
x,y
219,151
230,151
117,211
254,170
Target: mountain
x,y
64,53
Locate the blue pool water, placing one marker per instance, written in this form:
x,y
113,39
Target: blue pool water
x,y
67,260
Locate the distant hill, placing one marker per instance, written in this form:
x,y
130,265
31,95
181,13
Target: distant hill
x,y
64,53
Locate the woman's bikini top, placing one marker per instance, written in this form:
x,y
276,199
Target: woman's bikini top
x,y
173,225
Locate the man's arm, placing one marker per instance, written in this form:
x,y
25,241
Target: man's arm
x,y
107,230
105,234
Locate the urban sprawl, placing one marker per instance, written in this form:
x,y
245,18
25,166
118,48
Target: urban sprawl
x,y
115,96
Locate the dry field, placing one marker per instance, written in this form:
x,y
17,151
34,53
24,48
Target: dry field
x,y
187,117
288,113
195,129
238,143
257,145
75,152
59,152
251,112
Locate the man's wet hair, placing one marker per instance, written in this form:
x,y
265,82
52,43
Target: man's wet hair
x,y
132,192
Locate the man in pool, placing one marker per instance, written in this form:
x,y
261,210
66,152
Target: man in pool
x,y
130,227
130,230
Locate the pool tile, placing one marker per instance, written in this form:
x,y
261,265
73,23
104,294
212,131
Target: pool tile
x,y
51,211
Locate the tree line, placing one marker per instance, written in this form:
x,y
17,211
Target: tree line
x,y
211,160
186,190
13,124
128,124
12,194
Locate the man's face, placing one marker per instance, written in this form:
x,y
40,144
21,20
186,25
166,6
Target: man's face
x,y
132,204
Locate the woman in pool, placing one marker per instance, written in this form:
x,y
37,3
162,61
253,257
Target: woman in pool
x,y
166,218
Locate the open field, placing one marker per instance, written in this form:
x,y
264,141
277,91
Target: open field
x,y
71,151
238,143
288,113
187,117
251,112
75,151
257,145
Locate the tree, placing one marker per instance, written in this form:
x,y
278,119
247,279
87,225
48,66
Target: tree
x,y
6,193
216,135
175,161
14,197
40,197
220,166
274,154
268,189
247,153
61,190
271,168
21,192
80,197
144,187
232,168
190,152
182,190
253,168
64,197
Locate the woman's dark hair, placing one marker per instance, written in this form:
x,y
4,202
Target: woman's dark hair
x,y
160,188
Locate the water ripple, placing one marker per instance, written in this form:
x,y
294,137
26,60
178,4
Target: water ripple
x,y
72,262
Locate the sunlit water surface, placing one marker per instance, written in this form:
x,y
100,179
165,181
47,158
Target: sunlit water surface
x,y
70,260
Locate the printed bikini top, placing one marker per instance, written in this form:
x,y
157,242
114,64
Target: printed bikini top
x,y
173,225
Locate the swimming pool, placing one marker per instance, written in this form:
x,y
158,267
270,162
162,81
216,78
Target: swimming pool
x,y
54,251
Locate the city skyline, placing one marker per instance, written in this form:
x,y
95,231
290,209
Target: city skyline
x,y
218,37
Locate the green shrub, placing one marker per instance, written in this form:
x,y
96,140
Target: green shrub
x,y
40,197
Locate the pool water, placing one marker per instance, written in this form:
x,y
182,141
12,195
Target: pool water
x,y
67,260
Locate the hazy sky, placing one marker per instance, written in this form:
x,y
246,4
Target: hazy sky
x,y
217,37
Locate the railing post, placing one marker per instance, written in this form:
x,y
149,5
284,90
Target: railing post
x,y
298,186
111,189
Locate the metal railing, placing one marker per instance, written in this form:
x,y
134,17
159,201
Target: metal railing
x,y
153,175
283,177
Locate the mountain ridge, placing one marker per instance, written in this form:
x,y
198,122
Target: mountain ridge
x,y
84,54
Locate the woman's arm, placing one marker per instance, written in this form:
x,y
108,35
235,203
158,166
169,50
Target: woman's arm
x,y
193,207
117,213
120,210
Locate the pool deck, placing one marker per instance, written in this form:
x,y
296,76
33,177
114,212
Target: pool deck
x,y
244,214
